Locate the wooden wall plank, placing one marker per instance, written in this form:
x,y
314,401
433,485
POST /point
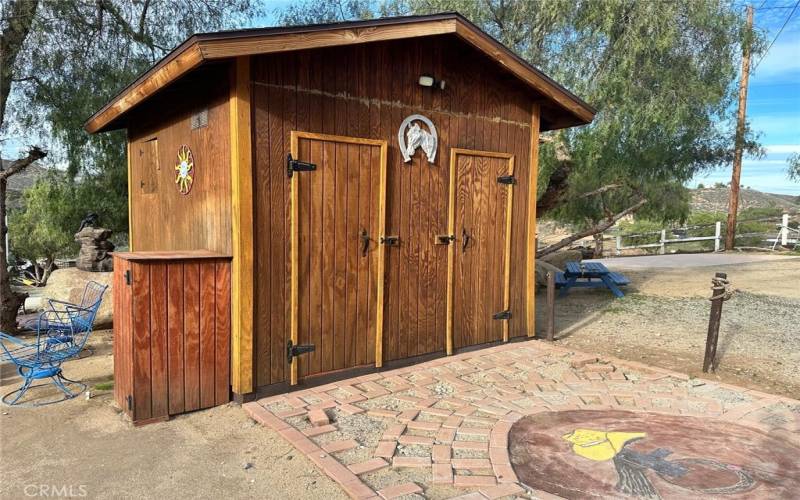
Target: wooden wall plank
x,y
175,337
191,333
222,332
142,396
158,340
207,326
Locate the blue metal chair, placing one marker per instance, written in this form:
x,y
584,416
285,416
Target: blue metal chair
x,y
78,317
61,334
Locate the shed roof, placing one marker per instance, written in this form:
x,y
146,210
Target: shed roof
x,y
209,47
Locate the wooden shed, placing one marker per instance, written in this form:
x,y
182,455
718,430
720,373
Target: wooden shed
x,y
373,181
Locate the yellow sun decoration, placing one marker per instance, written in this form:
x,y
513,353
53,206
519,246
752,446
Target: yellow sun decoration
x,y
184,170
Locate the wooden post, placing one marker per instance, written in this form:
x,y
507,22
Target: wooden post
x,y
530,245
551,306
713,325
663,249
242,286
785,230
717,236
733,204
619,244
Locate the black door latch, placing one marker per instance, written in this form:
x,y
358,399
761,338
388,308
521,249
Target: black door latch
x,y
390,241
502,314
293,166
507,179
293,351
445,239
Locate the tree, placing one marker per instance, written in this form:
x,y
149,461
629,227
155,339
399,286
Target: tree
x,y
42,229
60,60
793,168
16,25
661,75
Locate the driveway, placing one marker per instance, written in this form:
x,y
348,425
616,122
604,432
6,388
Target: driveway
x,y
535,420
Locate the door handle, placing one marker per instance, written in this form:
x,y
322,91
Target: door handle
x,y
465,237
364,242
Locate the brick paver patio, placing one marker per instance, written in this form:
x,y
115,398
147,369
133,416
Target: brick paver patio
x,y
440,429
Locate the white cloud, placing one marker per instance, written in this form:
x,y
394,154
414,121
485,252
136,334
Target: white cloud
x,y
782,148
782,59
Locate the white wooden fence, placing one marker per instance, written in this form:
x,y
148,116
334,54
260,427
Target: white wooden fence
x,y
786,236
664,241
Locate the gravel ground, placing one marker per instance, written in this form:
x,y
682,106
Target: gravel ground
x,y
664,321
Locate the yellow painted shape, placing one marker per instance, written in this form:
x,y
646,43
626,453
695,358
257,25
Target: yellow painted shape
x,y
599,445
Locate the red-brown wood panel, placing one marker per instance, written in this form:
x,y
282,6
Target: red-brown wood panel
x,y
175,337
207,326
191,334
158,340
222,332
140,277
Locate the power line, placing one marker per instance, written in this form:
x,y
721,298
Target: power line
x,y
794,9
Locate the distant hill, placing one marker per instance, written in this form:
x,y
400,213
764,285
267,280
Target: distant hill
x,y
22,181
716,200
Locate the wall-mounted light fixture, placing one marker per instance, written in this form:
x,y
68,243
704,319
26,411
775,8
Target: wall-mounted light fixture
x,y
429,81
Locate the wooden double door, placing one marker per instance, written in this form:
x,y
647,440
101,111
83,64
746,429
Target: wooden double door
x,y
337,231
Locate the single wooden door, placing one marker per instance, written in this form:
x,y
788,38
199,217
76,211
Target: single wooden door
x,y
481,187
337,259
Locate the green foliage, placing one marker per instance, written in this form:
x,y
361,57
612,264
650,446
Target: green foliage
x,y
700,185
793,167
39,229
79,54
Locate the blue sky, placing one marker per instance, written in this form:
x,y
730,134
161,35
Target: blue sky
x,y
773,103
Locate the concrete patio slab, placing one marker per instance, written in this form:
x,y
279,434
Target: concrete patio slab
x,y
530,419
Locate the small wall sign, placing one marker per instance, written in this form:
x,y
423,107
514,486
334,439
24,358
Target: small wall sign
x,y
184,170
411,136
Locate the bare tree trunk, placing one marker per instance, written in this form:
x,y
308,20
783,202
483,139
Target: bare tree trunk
x,y
599,228
598,245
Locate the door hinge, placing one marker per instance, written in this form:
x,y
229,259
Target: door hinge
x,y
293,351
293,166
390,241
445,239
502,314
507,179
128,277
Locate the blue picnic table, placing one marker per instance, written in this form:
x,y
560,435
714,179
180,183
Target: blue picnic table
x,y
590,275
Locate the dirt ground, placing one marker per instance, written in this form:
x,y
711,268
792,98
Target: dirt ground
x,y
87,446
663,320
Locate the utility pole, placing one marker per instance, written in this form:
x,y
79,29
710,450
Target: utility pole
x,y
733,204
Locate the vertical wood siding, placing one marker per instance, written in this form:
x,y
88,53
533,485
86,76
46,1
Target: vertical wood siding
x,y
172,336
162,218
365,91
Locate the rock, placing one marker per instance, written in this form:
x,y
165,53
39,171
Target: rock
x,y
542,268
68,284
95,252
559,259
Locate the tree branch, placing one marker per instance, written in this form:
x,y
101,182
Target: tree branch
x,y
599,228
601,190
19,165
